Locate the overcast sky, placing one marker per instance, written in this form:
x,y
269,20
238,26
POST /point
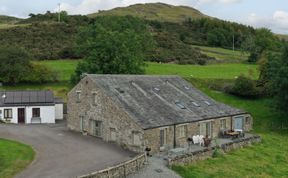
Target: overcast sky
x,y
272,14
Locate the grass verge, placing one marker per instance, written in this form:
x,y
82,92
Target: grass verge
x,y
14,157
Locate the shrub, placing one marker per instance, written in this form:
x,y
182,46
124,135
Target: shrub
x,y
40,74
245,87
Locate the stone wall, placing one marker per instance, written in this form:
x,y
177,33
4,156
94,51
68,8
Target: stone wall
x,y
116,126
121,170
205,153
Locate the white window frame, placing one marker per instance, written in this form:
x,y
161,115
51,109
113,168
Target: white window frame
x,y
9,113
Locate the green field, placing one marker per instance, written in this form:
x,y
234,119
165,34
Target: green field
x,y
224,55
65,68
14,157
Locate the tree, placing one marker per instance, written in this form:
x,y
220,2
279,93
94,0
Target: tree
x,y
263,40
278,70
113,45
14,64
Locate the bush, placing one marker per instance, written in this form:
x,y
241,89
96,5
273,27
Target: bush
x,y
245,87
40,74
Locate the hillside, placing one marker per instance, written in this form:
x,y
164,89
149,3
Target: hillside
x,y
8,20
155,11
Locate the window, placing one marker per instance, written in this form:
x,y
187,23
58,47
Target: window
x,y
247,120
78,96
81,123
0,114
136,139
36,112
205,129
208,103
182,130
113,135
195,104
223,124
97,128
94,98
180,105
163,137
7,113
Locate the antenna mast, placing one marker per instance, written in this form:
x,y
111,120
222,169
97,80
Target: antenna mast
x,y
59,12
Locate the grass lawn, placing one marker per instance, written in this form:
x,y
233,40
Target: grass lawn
x,y
222,54
14,157
267,159
65,68
214,71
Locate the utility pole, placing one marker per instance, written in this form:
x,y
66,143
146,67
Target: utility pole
x,y
233,42
59,12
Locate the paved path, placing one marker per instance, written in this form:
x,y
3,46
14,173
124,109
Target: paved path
x,y
156,168
61,153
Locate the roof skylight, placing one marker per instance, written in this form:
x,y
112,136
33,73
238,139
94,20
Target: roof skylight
x,y
208,103
195,104
180,105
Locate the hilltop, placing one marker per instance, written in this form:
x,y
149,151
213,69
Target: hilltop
x,y
155,11
8,19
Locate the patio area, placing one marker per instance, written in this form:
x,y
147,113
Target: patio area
x,y
195,152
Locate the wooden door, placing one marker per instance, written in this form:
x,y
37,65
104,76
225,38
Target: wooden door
x,y
21,115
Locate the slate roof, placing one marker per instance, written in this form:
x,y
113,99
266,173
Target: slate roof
x,y
156,101
26,98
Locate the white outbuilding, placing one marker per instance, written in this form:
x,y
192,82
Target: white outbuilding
x,y
30,107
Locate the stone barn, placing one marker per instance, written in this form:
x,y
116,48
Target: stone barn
x,y
140,111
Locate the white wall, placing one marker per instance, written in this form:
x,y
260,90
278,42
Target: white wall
x,y
47,114
59,111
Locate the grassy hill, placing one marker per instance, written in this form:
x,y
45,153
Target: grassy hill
x,y
155,11
8,20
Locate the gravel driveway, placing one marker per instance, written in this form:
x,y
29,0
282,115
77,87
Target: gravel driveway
x,y
61,153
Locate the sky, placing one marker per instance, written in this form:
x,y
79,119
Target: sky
x,y
272,14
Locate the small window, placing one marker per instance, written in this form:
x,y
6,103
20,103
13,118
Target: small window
x,y
247,120
208,103
195,104
78,96
94,98
156,89
120,90
136,139
36,112
180,105
7,113
182,131
223,124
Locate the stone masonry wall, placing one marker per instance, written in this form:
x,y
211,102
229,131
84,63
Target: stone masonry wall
x,y
194,157
116,125
121,170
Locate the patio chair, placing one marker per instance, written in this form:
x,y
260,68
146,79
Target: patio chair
x,y
241,132
201,140
195,139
